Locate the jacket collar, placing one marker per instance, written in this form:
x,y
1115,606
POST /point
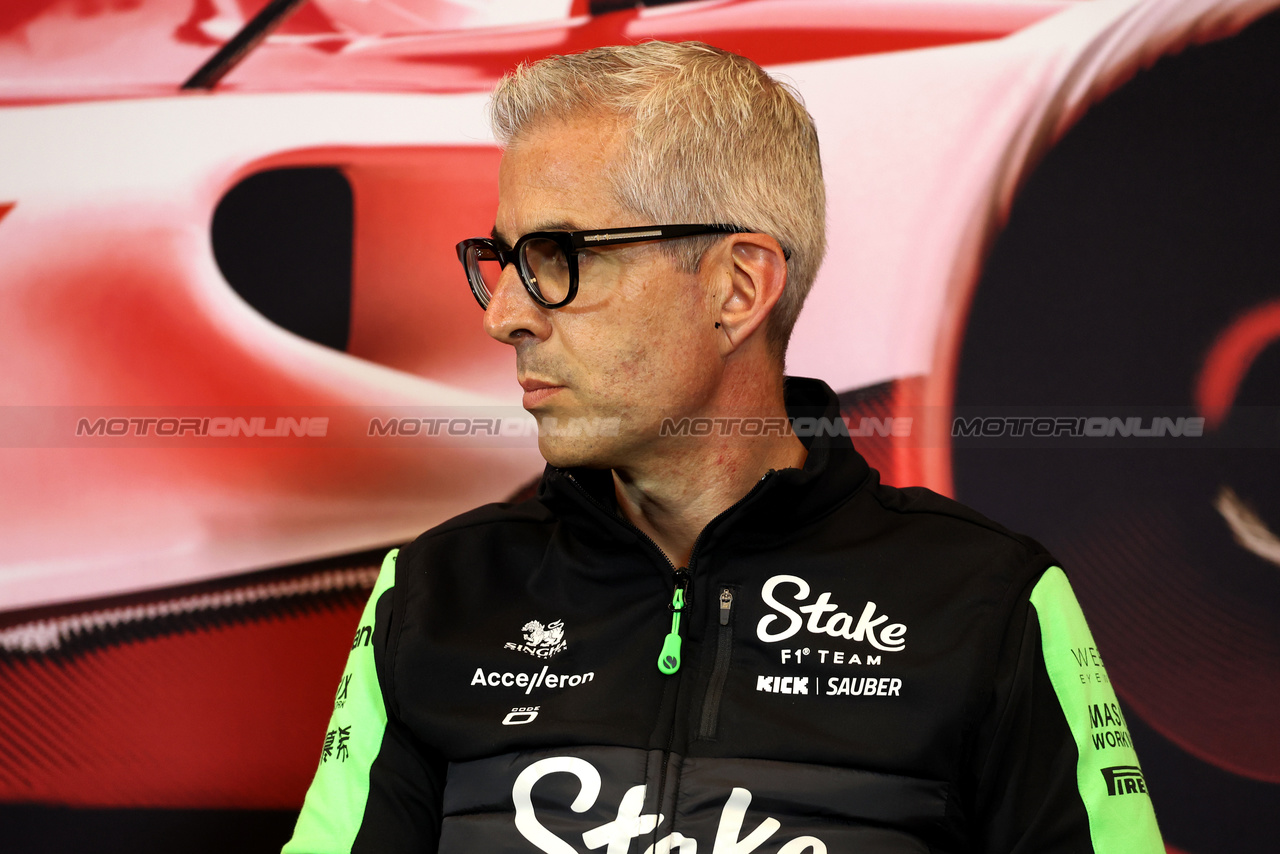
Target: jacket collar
x,y
780,505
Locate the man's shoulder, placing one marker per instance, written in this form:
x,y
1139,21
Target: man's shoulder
x,y
953,523
497,522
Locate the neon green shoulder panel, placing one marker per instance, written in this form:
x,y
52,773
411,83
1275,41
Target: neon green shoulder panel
x,y
334,808
1121,820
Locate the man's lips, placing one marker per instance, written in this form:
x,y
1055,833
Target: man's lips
x,y
536,391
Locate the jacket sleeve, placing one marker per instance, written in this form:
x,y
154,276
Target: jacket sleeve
x,y
1059,772
376,788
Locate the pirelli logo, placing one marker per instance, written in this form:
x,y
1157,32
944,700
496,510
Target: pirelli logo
x,y
1124,780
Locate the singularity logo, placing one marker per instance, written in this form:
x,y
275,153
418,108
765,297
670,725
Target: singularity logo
x,y
541,641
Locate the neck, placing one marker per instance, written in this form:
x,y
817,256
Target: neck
x,y
673,494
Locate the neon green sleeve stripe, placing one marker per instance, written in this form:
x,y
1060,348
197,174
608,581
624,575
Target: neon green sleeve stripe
x,y
335,803
1121,820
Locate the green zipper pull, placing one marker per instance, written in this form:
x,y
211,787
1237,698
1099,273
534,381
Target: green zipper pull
x,y
669,658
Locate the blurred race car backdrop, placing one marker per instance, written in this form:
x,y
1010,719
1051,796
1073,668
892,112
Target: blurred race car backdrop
x,y
239,361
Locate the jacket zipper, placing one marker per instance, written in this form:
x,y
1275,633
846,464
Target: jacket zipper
x,y
669,657
680,579
720,670
681,576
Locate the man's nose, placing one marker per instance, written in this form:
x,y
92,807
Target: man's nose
x,y
512,314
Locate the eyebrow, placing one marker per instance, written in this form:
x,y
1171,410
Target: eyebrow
x,y
558,225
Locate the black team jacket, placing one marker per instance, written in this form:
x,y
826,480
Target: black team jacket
x,y
859,668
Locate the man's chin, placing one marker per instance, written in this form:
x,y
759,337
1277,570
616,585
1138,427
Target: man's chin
x,y
579,441
568,452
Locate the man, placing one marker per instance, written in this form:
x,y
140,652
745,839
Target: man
x,y
731,642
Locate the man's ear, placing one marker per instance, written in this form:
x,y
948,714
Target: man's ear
x,y
755,274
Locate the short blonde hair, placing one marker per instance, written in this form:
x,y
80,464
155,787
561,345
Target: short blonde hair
x,y
713,139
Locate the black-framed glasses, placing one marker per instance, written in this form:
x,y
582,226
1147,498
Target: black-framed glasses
x,y
548,260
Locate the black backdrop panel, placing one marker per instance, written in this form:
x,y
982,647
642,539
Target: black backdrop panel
x,y
1142,239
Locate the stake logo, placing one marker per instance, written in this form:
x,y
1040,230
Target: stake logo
x,y
632,821
825,618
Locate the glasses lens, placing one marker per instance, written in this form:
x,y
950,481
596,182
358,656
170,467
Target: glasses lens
x,y
483,271
545,264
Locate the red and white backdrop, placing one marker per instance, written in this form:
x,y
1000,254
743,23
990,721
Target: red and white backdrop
x,y
238,360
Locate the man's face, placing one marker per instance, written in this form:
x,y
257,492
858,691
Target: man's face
x,y
638,342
